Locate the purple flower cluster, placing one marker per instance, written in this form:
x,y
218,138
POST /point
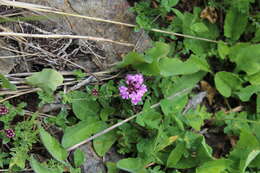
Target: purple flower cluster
x,y
135,88
3,110
9,133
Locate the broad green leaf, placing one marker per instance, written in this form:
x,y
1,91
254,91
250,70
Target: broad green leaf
x,y
53,146
111,167
168,4
226,82
185,82
103,143
160,50
133,165
245,56
251,156
176,155
149,119
216,166
196,118
132,58
199,27
18,159
247,148
6,83
245,93
174,66
47,79
40,168
254,79
174,106
80,132
83,107
223,49
200,62
257,36
235,23
79,157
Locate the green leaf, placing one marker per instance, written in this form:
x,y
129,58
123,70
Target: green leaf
x,y
185,82
196,118
199,27
39,168
150,119
245,151
80,132
83,107
216,166
226,82
111,167
223,49
133,165
254,79
168,4
6,83
174,66
79,158
160,50
47,79
235,23
132,58
53,146
176,155
244,55
103,143
257,36
245,93
200,62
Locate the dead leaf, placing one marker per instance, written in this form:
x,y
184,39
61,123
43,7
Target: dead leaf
x,y
211,92
209,13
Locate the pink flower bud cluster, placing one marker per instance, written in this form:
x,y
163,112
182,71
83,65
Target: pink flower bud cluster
x,y
135,88
3,110
9,133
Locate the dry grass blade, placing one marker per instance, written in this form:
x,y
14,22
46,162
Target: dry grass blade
x,y
64,36
51,10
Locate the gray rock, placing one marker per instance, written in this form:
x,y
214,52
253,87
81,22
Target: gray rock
x,y
116,10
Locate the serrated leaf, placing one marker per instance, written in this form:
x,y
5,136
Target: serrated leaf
x,y
53,146
47,79
103,143
80,132
6,83
79,157
216,166
39,168
226,82
133,165
235,23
